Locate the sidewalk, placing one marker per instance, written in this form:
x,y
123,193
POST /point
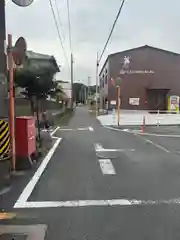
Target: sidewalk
x,y
135,118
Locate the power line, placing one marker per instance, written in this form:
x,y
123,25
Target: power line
x,y
61,42
59,19
69,25
112,29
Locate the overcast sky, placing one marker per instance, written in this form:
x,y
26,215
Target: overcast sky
x,y
154,22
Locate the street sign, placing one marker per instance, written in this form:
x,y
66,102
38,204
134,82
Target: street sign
x,y
23,3
134,101
19,52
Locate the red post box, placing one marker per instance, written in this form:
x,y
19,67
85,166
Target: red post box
x,y
25,136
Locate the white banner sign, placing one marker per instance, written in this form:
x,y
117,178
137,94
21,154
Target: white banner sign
x,y
113,102
134,101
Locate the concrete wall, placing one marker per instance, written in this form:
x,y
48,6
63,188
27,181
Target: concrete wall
x,y
22,106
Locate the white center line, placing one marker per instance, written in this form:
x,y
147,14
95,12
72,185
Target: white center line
x,y
114,150
99,148
106,166
82,129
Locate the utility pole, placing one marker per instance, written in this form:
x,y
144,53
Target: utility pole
x,y
3,63
72,95
85,95
118,104
88,93
97,69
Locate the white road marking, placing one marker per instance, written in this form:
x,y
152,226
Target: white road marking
x,y
157,145
30,186
115,129
82,129
66,129
106,166
95,203
76,203
114,150
77,129
125,130
138,132
99,148
91,129
55,130
158,135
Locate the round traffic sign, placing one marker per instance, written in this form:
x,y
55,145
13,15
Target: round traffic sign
x,y
19,52
23,3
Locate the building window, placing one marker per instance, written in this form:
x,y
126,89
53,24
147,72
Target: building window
x,y
106,77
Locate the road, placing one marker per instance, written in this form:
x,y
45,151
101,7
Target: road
x,y
101,184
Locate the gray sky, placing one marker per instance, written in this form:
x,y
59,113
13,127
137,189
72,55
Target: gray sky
x,y
154,22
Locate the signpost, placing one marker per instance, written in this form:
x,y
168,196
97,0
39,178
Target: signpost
x,y
23,3
11,101
15,55
19,51
118,104
118,82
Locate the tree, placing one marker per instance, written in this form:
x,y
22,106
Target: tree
x,y
80,89
36,85
57,92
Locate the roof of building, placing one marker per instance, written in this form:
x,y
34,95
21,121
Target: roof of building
x,y
146,46
136,48
35,55
41,56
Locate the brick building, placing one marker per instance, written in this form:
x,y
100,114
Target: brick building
x,y
147,76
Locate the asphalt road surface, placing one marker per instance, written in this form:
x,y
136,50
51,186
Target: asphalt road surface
x,y
101,184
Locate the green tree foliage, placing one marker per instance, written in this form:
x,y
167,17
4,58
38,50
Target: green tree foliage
x,y
79,89
36,85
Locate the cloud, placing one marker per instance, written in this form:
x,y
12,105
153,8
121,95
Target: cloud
x,y
141,22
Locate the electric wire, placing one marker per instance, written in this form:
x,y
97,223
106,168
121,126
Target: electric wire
x,y
59,19
69,25
59,35
112,29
